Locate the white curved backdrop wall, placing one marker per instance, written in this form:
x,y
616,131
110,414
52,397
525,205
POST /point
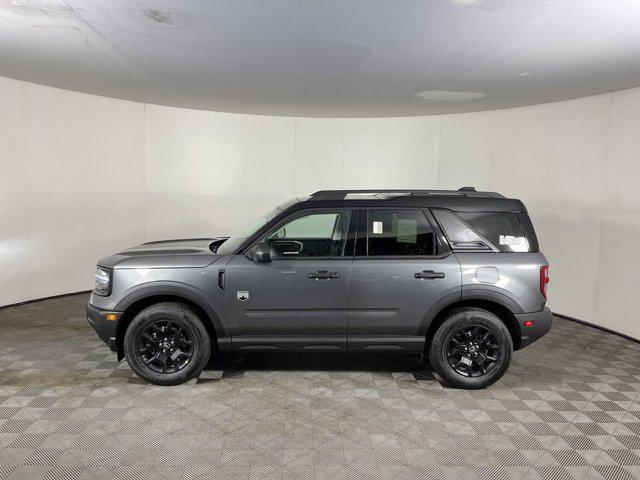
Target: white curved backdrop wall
x,y
83,176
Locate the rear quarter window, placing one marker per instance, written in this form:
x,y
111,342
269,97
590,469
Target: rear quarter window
x,y
503,229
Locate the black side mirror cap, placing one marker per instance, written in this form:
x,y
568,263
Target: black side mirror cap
x,y
261,253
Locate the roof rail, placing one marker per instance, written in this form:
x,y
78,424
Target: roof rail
x,y
385,194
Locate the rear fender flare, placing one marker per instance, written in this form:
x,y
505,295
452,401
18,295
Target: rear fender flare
x,y
466,295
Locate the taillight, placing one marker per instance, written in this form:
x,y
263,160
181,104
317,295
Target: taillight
x,y
544,280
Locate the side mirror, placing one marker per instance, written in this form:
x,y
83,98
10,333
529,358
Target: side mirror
x,y
261,253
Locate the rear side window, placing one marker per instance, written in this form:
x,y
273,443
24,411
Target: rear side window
x,y
399,233
486,230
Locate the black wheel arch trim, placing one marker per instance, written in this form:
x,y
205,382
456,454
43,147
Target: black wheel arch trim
x,y
496,296
465,298
168,291
433,311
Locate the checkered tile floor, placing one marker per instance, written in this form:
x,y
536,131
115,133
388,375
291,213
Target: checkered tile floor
x,y
569,408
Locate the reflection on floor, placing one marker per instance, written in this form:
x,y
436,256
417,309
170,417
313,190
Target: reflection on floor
x,y
569,408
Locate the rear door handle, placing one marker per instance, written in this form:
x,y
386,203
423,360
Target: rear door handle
x,y
428,274
323,274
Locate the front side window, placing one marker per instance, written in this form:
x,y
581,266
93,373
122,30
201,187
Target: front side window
x,y
322,234
399,233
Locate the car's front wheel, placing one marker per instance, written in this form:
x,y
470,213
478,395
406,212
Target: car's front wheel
x,y
471,349
167,344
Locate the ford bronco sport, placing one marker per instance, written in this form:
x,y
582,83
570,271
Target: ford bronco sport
x,y
455,275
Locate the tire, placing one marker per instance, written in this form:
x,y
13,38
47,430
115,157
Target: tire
x,y
160,361
458,343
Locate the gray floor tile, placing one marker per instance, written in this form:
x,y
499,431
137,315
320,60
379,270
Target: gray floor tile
x,y
569,408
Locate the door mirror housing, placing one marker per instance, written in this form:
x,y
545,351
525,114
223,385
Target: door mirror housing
x,y
261,253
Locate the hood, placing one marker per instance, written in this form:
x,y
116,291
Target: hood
x,y
195,252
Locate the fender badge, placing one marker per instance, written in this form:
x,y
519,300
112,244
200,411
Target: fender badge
x,y
242,295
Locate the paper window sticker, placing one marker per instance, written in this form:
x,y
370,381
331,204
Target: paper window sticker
x,y
377,228
407,231
511,240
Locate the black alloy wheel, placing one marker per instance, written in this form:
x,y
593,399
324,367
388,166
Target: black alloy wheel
x,y
471,348
165,346
473,351
167,343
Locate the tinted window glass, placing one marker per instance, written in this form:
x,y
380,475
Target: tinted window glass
x,y
502,229
399,232
314,235
459,233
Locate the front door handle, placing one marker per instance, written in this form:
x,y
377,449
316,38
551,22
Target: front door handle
x,y
323,274
428,274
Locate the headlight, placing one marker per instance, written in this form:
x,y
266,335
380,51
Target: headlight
x,y
103,282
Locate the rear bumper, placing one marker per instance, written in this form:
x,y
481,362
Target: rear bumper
x,y
106,329
542,321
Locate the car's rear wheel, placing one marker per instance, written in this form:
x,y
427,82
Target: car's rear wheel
x,y
167,344
471,349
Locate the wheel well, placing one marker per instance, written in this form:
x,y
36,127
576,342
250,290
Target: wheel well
x,y
500,311
132,310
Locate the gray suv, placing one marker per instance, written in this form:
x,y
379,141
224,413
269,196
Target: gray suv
x,y
455,275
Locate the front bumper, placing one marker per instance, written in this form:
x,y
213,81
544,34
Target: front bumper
x,y
542,321
106,329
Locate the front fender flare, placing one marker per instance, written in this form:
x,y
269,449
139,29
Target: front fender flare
x,y
178,290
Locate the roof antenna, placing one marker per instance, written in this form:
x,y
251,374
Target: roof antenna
x,y
467,189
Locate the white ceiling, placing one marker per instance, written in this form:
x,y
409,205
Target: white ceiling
x,y
325,57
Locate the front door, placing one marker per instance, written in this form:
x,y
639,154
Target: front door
x,y
299,299
400,270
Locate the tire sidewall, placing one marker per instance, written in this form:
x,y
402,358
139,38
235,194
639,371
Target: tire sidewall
x,y
460,319
178,314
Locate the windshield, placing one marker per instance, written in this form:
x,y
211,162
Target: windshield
x,y
233,243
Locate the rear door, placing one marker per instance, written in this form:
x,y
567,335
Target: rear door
x,y
300,298
401,269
